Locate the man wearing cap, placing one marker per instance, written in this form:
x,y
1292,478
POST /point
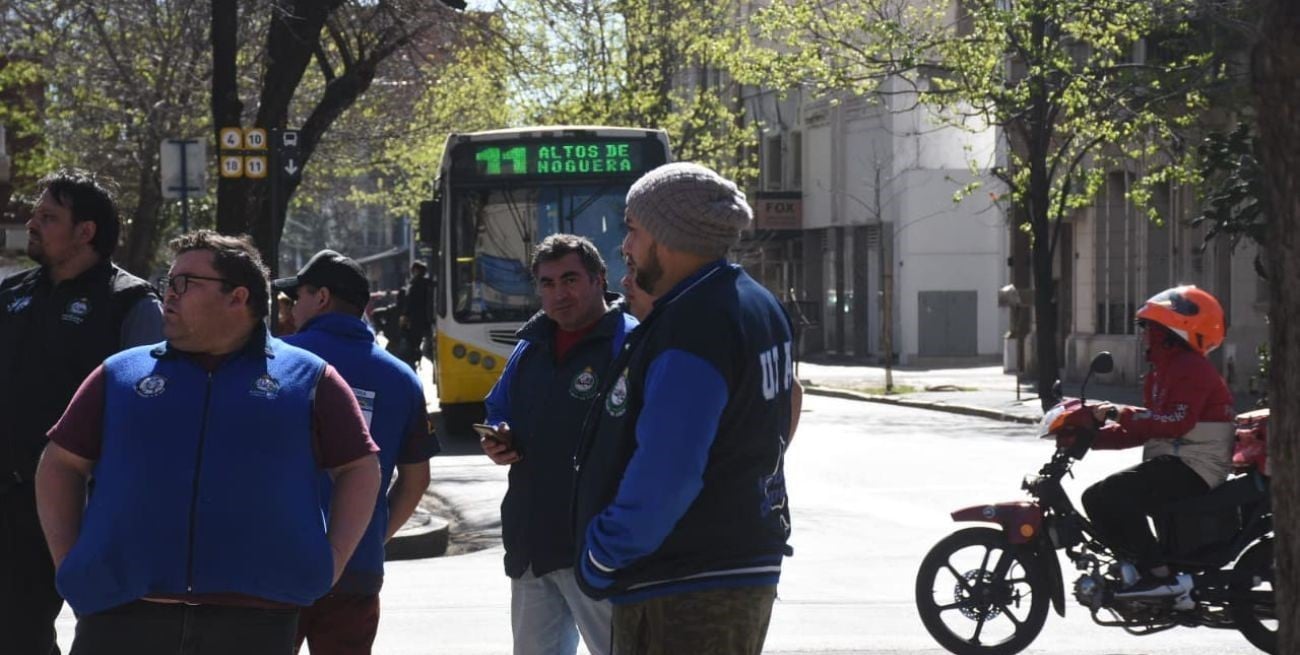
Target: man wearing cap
x,y
204,533
681,500
329,296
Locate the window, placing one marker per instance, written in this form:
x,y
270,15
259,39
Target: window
x,y
772,162
796,160
1117,258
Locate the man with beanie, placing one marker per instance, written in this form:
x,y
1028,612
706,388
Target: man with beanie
x,y
681,505
329,295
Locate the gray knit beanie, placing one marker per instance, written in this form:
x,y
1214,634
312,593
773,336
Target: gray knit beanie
x,y
690,208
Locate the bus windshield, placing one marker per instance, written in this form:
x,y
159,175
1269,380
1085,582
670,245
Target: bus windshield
x,y
495,230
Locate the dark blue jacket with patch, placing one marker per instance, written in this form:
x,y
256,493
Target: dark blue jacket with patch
x,y
544,402
208,483
681,480
391,398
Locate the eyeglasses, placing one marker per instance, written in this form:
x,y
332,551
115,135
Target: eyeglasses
x,y
179,284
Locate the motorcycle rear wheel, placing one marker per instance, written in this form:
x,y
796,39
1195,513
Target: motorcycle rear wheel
x,y
1254,575
973,584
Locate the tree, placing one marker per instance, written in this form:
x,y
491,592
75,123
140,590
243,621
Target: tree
x,y
350,42
116,79
1058,79
1275,67
639,63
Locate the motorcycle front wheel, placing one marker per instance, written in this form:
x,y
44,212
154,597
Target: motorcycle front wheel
x,y
1253,608
979,595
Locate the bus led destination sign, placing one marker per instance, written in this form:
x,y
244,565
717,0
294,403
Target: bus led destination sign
x,y
558,159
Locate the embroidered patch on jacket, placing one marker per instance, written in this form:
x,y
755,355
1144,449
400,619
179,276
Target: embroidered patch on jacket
x,y
76,311
616,400
584,384
18,304
265,387
151,385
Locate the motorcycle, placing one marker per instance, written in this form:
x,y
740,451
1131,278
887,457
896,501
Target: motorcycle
x,y
986,591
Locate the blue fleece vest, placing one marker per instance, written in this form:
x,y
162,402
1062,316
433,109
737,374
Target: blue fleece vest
x,y
389,393
207,482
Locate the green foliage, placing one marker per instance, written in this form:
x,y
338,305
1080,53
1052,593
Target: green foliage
x,y
1058,77
1235,193
634,63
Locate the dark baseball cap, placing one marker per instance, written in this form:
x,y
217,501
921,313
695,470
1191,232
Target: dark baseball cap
x,y
341,275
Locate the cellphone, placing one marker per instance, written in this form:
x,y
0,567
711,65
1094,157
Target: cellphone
x,y
490,432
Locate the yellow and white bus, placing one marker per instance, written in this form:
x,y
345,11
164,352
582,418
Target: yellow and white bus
x,y
499,193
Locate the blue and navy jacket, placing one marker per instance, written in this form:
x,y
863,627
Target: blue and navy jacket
x,y
207,483
391,399
544,402
681,479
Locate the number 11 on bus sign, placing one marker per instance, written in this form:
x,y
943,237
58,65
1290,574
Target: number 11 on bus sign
x,y
517,157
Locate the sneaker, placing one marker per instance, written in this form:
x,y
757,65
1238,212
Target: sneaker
x,y
1153,587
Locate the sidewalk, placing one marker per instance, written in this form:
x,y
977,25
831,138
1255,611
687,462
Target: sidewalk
x,y
975,391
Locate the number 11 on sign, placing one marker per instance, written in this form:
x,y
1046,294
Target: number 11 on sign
x,y
492,157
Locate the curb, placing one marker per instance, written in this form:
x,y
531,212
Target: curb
x,y
981,412
424,535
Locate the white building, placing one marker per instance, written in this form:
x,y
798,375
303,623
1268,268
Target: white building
x,y
873,186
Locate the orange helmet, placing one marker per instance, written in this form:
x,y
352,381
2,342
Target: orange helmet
x,y
1194,315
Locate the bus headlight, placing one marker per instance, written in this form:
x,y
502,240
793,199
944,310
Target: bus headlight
x,y
489,363
458,351
474,357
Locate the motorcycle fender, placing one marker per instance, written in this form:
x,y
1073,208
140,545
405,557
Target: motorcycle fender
x,y
1021,521
1051,567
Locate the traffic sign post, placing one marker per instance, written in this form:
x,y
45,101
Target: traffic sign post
x,y
286,167
183,172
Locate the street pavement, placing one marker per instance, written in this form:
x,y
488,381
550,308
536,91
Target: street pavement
x,y
871,487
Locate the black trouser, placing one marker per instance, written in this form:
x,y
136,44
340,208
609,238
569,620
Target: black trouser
x,y
145,628
28,601
1119,505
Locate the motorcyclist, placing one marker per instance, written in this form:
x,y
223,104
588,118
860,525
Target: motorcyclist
x,y
1185,428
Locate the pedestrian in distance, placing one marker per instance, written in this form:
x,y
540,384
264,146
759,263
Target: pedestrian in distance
x,y
329,296
535,413
204,534
416,321
58,321
681,498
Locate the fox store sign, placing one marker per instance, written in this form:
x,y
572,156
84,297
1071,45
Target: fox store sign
x,y
778,210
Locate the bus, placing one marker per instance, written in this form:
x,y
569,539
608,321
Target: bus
x,y
498,194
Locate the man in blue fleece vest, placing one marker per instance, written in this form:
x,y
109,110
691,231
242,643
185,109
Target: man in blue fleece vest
x,y
204,533
538,407
329,295
681,501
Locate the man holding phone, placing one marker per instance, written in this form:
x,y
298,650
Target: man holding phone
x,y
535,414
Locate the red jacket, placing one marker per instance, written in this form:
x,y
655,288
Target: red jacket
x,y
1182,389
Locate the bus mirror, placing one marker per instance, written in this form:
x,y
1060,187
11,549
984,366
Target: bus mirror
x,y
430,221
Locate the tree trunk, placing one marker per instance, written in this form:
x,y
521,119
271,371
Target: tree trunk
x,y
1276,75
227,110
142,239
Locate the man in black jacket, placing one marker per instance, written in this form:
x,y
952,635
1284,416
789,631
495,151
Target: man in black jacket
x,y
415,320
681,502
57,323
538,407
